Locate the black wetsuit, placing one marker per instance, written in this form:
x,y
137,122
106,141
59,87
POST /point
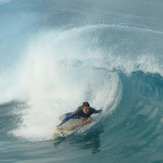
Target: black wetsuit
x,y
78,113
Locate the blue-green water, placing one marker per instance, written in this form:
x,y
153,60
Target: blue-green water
x,y
56,54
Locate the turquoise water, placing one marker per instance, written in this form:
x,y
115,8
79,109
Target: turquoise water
x,y
56,54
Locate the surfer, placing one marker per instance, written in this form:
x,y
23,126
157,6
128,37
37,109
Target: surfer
x,y
84,111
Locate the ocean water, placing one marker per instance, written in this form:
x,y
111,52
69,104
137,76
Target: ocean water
x,y
56,54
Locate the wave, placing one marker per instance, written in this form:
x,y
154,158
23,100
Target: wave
x,y
100,46
56,54
62,68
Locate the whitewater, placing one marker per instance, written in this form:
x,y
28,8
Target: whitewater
x,y
56,54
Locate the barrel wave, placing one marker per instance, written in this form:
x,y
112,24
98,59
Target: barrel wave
x,y
55,55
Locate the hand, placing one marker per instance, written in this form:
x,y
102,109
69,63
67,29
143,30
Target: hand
x,y
59,128
72,128
100,110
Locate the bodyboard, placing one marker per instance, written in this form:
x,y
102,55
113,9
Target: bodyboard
x,y
63,130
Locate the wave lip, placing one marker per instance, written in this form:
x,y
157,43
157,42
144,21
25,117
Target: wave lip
x,y
62,68
67,92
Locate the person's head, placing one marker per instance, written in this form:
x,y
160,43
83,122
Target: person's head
x,y
85,107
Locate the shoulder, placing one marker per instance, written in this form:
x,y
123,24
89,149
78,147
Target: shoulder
x,y
80,107
92,109
77,110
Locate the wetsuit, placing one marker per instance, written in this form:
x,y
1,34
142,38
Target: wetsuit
x,y
78,113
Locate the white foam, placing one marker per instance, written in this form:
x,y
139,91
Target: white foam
x,y
59,71
67,92
53,80
146,63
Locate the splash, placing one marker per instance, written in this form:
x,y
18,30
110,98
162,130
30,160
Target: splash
x,y
63,68
56,78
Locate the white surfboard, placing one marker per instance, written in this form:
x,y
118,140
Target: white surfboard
x,y
63,130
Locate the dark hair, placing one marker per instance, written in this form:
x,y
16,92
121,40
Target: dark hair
x,y
85,104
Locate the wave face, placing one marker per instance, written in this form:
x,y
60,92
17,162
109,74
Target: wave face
x,y
55,55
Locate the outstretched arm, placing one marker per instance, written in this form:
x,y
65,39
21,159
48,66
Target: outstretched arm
x,y
97,111
66,119
84,122
70,116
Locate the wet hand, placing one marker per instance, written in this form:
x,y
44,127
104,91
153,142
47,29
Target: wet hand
x,y
100,110
59,128
72,128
